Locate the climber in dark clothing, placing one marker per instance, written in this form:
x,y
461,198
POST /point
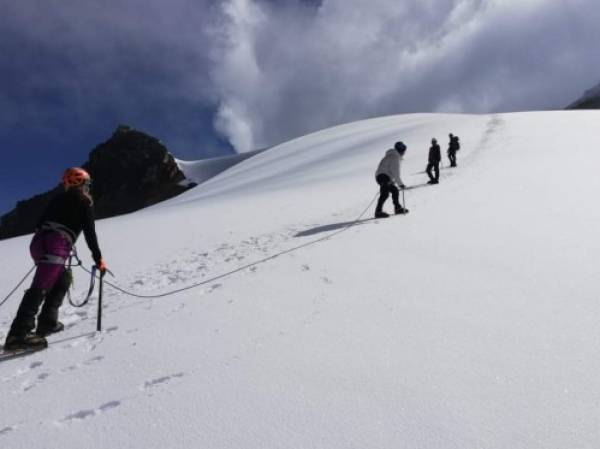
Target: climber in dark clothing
x,y
67,215
453,147
433,162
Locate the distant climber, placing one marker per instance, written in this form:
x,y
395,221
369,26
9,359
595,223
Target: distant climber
x,y
453,147
433,162
388,178
67,214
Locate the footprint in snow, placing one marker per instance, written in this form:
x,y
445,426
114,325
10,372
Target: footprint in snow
x,y
109,405
29,384
305,268
23,370
70,325
160,380
88,362
94,360
84,414
26,386
69,368
326,280
6,430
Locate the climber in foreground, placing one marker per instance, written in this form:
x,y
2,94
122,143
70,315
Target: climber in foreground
x,y
388,178
67,214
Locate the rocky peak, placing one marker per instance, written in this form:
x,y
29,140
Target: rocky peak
x,y
589,100
131,170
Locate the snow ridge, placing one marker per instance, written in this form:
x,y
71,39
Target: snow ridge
x,y
467,323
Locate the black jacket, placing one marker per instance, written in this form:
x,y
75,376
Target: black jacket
x,y
454,145
75,213
435,155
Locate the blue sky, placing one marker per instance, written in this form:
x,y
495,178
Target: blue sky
x,y
213,77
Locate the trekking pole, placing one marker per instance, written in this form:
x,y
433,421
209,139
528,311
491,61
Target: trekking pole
x,y
403,202
99,318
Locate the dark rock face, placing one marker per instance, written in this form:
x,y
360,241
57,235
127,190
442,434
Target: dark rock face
x,y
589,100
130,171
588,103
22,219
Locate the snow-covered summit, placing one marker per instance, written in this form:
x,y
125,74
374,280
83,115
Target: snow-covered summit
x,y
201,170
470,322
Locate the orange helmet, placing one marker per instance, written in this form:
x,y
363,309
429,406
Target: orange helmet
x,y
75,177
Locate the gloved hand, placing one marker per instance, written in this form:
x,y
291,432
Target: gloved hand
x,y
102,266
402,187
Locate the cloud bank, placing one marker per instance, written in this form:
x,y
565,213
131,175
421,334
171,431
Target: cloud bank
x,y
264,71
288,70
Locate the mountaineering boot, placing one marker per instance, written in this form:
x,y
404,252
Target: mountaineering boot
x,y
48,319
45,328
400,210
381,214
28,341
20,336
24,321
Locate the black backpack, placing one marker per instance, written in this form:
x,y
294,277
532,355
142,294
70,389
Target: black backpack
x,y
456,143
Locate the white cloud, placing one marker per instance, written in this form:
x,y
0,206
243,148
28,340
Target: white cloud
x,y
275,69
350,59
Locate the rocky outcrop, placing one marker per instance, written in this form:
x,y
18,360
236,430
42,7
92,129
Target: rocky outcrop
x,y
130,171
589,100
588,103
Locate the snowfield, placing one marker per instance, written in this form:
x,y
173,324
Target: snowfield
x,y
202,170
472,322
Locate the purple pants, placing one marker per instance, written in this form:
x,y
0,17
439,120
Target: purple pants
x,y
47,249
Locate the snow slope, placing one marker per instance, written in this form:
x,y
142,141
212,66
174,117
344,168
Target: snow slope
x,y
200,171
469,323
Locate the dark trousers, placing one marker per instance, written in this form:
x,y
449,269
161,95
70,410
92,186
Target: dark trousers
x,y
386,186
452,157
435,168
